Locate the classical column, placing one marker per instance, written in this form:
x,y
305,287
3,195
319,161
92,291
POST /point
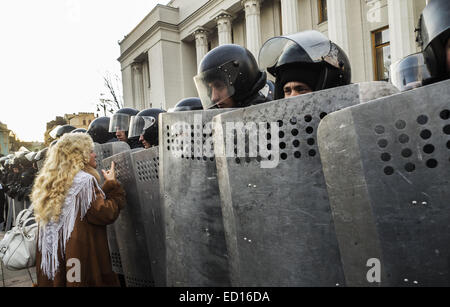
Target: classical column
x,y
253,25
401,28
337,23
224,28
289,16
138,86
201,43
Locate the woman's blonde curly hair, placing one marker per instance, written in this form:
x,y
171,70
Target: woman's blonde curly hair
x,y
65,159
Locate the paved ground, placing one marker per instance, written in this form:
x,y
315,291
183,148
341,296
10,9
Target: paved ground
x,y
23,278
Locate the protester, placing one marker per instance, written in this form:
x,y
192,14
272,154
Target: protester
x,y
73,211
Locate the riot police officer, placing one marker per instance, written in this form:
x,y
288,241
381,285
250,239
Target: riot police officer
x,y
99,131
434,39
145,126
229,77
119,125
304,62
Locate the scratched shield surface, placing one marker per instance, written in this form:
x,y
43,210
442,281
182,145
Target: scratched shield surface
x,y
146,168
102,152
129,227
387,167
278,222
195,240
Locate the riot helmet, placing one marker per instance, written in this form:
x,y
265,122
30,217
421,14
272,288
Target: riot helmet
x,y
433,37
79,130
410,72
228,76
120,121
98,130
308,57
41,154
30,156
63,130
3,160
187,104
145,126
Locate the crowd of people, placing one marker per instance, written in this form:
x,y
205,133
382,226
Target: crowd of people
x,y
73,210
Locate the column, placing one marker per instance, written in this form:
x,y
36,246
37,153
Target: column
x,y
401,28
138,87
253,25
289,16
337,23
201,43
224,28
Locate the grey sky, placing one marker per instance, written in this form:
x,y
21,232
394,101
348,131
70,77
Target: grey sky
x,y
54,53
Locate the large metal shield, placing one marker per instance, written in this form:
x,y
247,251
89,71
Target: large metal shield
x,y
104,151
195,241
386,165
277,217
129,227
146,168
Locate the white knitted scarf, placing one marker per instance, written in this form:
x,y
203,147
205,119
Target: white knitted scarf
x,y
81,194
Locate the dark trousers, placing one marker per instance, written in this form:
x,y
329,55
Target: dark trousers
x,y
2,206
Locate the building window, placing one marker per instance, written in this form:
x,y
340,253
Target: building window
x,y
84,122
323,13
381,54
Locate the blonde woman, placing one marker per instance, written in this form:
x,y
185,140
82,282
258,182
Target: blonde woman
x,y
73,211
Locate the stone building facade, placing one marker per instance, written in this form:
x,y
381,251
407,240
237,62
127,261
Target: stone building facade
x,y
159,57
5,145
80,120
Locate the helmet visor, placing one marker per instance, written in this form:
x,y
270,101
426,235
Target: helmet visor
x,y
303,47
410,72
30,156
119,122
216,85
138,125
54,131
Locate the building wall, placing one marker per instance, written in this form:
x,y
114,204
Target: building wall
x,y
167,36
4,140
80,120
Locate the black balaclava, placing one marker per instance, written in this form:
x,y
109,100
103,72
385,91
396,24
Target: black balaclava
x,y
296,72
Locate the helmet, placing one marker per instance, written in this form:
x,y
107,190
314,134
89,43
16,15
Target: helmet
x,y
30,156
188,104
79,130
120,121
98,130
3,160
41,154
309,57
63,130
146,123
236,71
409,72
433,33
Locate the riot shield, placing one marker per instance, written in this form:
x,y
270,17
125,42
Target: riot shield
x,y
195,242
129,227
104,151
146,169
386,165
277,217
